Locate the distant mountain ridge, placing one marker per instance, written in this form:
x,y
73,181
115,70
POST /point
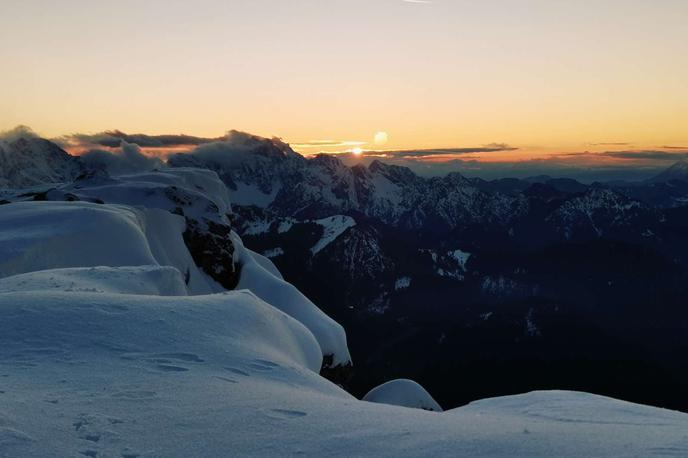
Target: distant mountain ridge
x,y
677,172
29,161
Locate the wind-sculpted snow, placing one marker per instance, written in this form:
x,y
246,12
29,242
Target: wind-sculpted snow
x,y
49,235
142,280
194,194
257,276
45,235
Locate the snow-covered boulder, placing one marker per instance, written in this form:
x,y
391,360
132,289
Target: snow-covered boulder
x,y
404,393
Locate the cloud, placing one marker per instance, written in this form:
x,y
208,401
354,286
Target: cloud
x,y
327,144
128,158
675,147
424,153
610,144
231,151
17,133
113,139
651,155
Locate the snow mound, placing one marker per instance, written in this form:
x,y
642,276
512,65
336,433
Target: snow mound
x,y
46,235
404,393
37,236
142,280
284,296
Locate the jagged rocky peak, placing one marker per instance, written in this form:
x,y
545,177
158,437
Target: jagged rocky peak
x,y
395,173
329,161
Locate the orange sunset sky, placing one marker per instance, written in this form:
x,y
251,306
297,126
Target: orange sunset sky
x,y
541,76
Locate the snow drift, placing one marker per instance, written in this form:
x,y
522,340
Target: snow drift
x,y
405,393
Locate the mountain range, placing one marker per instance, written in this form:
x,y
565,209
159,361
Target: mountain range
x,y
510,284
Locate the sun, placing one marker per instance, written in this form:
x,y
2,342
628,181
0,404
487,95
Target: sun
x,y
381,138
357,151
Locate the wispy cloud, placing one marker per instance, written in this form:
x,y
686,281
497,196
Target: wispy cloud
x,y
17,133
128,158
651,155
610,144
423,153
328,144
113,139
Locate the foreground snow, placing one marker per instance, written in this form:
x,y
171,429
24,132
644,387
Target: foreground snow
x,y
88,374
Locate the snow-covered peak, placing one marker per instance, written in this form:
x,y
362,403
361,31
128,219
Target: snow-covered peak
x,y
28,161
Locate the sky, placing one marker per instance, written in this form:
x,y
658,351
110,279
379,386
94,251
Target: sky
x,y
536,77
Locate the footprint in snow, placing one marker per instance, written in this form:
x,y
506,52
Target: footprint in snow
x,y
137,395
236,371
284,414
186,357
263,365
170,368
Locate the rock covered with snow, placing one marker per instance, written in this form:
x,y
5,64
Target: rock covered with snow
x,y
404,393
